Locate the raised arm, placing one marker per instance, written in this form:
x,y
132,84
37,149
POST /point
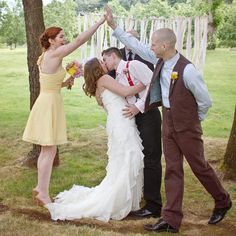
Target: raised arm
x,y
80,40
143,50
109,83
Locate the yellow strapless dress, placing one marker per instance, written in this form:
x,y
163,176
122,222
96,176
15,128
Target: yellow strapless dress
x,y
47,124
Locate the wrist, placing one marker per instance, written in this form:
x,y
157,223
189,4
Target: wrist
x,y
113,25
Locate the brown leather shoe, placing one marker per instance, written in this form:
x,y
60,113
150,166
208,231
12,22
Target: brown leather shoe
x,y
218,214
161,226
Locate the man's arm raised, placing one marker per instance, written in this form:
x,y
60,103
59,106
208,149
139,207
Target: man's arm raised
x,y
129,40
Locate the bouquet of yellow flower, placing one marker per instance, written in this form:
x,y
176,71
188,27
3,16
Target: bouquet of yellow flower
x,y
74,69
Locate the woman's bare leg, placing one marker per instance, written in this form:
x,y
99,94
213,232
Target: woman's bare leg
x,y
45,163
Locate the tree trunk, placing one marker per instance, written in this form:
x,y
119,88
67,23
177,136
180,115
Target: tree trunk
x,y
229,164
211,29
34,25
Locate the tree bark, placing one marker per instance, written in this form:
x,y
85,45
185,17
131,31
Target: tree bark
x,y
34,25
211,29
229,164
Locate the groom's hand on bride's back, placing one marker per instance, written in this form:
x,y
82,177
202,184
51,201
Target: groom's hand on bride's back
x,y
130,111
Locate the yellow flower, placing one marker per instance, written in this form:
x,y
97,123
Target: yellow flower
x,y
74,68
174,75
71,70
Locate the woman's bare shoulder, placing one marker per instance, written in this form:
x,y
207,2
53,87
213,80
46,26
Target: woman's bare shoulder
x,y
104,78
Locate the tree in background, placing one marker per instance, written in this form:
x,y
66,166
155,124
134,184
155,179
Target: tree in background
x,y
128,3
90,5
215,19
173,2
34,25
117,8
191,8
3,7
62,14
229,164
12,24
226,33
154,8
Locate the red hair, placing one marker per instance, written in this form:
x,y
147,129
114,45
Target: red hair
x,y
49,33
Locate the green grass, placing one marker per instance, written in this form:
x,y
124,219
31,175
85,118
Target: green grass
x,y
83,159
82,112
220,76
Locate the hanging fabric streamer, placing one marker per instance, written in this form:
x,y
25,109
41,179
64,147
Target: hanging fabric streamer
x,y
191,38
151,31
121,24
203,44
196,42
105,44
84,46
79,24
181,28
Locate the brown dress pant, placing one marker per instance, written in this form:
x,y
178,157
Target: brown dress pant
x,y
190,145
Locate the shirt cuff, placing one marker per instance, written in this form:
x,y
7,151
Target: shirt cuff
x,y
201,115
140,105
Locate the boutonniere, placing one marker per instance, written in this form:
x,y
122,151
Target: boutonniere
x,y
126,71
174,76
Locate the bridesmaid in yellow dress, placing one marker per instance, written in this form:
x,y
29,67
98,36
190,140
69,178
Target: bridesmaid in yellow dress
x,y
46,125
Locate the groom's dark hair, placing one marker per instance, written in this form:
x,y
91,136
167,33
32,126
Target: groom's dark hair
x,y
111,50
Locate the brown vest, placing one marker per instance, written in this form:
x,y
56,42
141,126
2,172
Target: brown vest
x,y
183,106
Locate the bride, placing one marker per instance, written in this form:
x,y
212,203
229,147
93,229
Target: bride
x,y
120,190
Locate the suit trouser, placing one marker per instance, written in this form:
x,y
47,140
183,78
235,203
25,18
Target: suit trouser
x,y
149,126
188,144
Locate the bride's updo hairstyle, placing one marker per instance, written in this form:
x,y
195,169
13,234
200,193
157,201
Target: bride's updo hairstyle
x,y
49,33
92,73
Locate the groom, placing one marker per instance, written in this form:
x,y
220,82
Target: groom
x,y
148,124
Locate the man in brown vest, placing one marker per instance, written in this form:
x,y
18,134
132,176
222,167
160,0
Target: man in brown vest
x,y
185,102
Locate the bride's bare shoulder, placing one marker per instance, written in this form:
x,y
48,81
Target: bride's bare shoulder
x,y
104,79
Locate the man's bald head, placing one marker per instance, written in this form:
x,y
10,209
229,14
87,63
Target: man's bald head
x,y
165,35
163,43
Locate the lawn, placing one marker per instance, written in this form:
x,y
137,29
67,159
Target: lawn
x,y
83,159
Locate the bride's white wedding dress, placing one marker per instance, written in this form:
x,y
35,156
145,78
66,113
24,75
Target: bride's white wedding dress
x,y
120,190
